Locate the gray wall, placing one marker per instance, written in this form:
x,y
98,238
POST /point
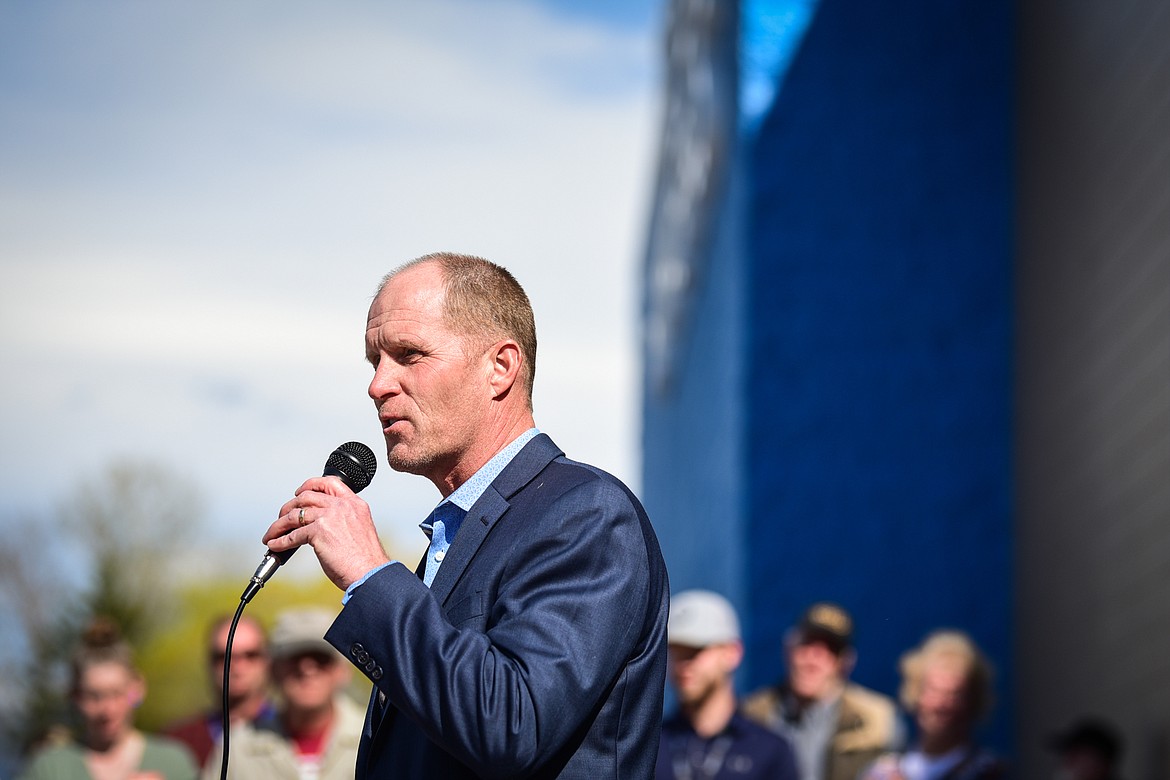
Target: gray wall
x,y
1093,363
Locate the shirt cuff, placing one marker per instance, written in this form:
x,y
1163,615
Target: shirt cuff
x,y
354,586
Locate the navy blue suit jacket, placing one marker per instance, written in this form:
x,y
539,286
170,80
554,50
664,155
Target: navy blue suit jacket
x,y
538,651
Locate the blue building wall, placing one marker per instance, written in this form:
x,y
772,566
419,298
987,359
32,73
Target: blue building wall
x,y
880,384
693,470
840,427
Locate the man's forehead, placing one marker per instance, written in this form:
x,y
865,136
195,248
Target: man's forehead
x,y
404,327
245,628
103,674
407,299
425,278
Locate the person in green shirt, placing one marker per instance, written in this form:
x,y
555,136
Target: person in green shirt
x,y
106,688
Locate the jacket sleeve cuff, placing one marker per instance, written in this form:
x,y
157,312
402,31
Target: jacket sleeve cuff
x,y
355,585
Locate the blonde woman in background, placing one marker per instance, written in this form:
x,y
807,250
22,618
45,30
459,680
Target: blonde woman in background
x,y
947,687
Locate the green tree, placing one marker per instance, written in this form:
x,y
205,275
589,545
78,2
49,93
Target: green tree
x,y
106,553
174,661
102,554
41,615
130,522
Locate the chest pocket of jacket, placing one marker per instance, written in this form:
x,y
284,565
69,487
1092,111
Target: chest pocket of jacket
x,y
466,609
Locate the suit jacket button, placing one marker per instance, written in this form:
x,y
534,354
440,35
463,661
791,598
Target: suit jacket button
x,y
360,654
376,674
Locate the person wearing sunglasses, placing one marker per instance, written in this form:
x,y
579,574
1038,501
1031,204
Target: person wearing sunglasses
x,y
317,728
248,699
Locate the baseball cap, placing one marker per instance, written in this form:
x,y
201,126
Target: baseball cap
x,y
300,631
828,623
699,618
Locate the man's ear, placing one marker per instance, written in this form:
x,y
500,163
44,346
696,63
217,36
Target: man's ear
x,y
506,360
848,660
137,692
733,655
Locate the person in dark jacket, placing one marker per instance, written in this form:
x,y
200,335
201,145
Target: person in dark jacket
x,y
531,640
708,739
1089,749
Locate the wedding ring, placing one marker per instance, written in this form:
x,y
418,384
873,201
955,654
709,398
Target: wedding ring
x,y
301,517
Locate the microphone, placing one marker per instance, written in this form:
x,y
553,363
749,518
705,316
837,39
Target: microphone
x,y
354,463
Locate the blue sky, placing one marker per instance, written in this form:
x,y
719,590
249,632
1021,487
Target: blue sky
x,y
633,15
196,201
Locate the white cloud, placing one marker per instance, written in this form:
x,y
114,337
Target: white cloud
x,y
198,203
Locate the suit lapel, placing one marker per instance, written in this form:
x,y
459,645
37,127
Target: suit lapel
x,y
490,507
480,519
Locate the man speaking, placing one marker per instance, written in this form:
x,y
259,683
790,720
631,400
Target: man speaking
x,y
531,642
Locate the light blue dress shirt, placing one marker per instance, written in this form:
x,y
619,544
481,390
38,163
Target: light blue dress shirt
x,y
441,532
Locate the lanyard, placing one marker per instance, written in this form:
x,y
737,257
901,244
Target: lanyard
x,y
700,762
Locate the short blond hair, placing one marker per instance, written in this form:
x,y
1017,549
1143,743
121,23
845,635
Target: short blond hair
x,y
484,302
956,650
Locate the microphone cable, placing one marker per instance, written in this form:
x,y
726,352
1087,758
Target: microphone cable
x,y
354,463
227,662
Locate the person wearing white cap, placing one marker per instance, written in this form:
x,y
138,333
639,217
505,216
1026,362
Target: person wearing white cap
x,y
707,739
318,729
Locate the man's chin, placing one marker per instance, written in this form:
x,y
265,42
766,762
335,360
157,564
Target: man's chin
x,y
103,736
402,462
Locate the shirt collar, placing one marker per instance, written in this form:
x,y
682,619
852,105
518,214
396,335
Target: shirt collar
x,y
469,492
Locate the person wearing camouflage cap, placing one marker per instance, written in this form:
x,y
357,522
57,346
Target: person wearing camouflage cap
x,y
836,726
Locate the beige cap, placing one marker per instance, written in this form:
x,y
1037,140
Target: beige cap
x,y
301,631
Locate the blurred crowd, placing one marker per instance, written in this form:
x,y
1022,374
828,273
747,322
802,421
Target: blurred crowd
x,y
291,718
815,723
287,706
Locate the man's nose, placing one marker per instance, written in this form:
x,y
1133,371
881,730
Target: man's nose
x,y
384,382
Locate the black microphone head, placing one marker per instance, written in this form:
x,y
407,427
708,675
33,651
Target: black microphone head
x,y
355,463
